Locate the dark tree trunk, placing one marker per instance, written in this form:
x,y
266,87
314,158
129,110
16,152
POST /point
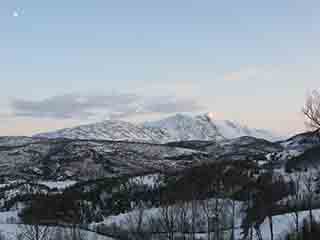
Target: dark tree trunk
x,y
37,232
233,217
258,231
310,214
297,223
271,227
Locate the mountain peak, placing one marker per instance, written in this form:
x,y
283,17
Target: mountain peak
x,y
210,115
179,127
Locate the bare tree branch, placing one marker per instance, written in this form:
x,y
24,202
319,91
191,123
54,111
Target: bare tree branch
x,y
311,110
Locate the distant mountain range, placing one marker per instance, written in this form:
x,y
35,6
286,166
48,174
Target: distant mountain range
x,y
179,127
75,159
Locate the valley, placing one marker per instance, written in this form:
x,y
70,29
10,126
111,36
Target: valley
x,y
121,188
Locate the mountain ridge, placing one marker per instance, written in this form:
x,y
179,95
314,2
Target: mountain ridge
x,y
179,127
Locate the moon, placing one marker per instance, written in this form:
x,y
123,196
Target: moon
x,y
15,14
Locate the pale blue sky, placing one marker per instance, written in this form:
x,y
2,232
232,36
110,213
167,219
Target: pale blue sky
x,y
249,61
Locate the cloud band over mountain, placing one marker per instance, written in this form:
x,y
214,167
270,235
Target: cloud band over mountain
x,y
90,106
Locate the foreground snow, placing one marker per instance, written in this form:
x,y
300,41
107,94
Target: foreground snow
x,y
10,228
60,185
282,223
10,231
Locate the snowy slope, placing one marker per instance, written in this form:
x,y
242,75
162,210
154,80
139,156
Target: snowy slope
x,y
10,232
185,127
59,159
297,145
302,141
282,224
205,127
176,128
112,130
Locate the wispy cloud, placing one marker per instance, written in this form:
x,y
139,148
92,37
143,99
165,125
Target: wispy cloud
x,y
77,106
245,73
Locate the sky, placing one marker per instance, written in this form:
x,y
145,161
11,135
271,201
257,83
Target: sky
x,y
65,63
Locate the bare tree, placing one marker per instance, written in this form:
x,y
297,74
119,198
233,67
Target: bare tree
x,y
33,232
135,222
295,197
311,110
217,217
74,233
168,218
310,188
267,192
183,218
233,217
206,205
2,236
195,217
58,234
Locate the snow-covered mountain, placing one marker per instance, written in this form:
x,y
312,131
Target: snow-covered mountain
x,y
56,159
112,130
302,141
204,127
60,159
176,128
